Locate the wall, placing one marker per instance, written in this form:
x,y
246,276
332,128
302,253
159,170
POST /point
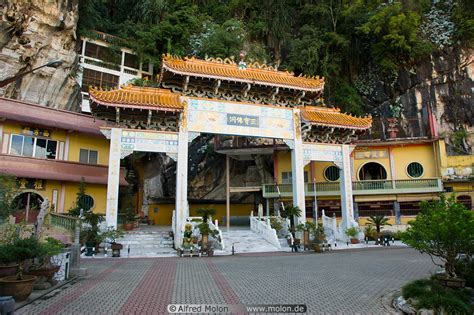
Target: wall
x,y
284,165
366,152
422,154
96,191
79,141
164,213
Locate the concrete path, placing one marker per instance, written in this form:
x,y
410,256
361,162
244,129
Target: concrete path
x,y
343,282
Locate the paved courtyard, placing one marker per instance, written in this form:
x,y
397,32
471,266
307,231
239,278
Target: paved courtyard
x,y
336,282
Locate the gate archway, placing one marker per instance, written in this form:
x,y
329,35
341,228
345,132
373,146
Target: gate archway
x,y
28,204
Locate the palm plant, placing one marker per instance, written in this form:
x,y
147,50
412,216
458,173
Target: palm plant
x,y
291,211
378,221
205,213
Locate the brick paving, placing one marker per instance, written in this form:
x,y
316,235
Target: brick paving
x,y
336,282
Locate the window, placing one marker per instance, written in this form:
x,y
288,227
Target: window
x,y
372,171
415,170
287,177
31,146
131,61
99,79
86,202
331,173
88,156
102,53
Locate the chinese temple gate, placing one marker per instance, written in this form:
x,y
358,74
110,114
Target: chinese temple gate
x,y
223,97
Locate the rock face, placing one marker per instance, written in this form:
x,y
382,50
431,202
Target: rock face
x,y
206,173
443,85
31,34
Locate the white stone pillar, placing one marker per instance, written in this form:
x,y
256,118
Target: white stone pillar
x,y
297,167
346,188
182,210
113,178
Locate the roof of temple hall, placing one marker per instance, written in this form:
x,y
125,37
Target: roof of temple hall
x,y
137,97
332,117
254,73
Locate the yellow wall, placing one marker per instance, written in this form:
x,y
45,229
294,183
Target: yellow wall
x,y
96,191
319,168
422,154
80,141
284,165
385,162
15,128
164,213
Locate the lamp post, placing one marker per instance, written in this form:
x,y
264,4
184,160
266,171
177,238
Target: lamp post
x,y
51,64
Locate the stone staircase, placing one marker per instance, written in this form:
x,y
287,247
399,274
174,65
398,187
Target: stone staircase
x,y
246,241
147,243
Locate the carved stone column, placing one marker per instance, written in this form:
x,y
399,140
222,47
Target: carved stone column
x,y
297,167
113,178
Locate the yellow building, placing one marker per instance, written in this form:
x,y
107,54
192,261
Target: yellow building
x,y
50,151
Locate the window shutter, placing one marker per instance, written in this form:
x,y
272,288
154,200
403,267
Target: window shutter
x,y
6,143
60,154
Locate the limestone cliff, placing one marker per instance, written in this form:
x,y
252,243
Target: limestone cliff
x,y
32,33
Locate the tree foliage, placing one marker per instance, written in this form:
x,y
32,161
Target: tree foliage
x,y
8,189
338,39
442,229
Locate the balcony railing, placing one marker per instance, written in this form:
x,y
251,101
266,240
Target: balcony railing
x,y
366,187
64,221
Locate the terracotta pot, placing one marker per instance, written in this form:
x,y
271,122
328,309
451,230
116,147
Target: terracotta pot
x,y
354,241
205,239
9,270
19,289
116,247
128,226
45,272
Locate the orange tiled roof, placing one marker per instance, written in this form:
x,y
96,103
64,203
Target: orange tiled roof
x,y
254,73
332,117
137,97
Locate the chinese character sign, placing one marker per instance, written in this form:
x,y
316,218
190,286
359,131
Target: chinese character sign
x,y
241,119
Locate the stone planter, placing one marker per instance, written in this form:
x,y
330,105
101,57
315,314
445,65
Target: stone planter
x,y
451,282
19,289
8,270
48,273
116,247
354,241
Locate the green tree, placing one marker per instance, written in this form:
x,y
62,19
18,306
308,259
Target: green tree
x,y
81,200
8,190
442,229
378,221
291,211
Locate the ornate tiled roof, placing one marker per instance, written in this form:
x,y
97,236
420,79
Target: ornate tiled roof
x,y
137,97
332,117
253,73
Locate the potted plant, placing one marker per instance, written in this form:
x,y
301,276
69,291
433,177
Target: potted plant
x,y
205,231
319,237
130,218
292,211
90,235
20,285
42,265
378,221
111,236
307,228
353,234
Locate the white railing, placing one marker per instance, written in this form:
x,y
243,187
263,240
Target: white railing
x,y
173,222
263,228
331,229
215,226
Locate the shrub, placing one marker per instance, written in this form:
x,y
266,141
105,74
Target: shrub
x,y
352,232
276,224
430,294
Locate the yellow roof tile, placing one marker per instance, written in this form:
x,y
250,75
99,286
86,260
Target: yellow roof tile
x,y
137,97
332,117
254,73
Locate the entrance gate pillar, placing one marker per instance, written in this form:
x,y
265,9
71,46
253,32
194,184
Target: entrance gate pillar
x,y
346,187
297,167
113,178
182,210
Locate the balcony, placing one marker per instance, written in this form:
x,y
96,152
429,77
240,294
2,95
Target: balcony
x,y
59,170
366,187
